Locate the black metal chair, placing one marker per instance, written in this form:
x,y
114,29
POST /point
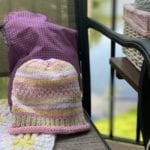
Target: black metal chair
x,y
73,13
139,80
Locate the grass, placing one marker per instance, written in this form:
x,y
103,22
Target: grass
x,y
124,125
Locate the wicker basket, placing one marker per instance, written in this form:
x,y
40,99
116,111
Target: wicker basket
x,y
133,55
137,26
143,5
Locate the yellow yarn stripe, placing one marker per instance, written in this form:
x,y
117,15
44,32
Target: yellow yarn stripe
x,y
26,120
48,101
48,112
37,64
55,67
45,81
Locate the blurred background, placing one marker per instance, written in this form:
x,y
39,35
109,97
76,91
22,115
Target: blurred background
x,y
125,97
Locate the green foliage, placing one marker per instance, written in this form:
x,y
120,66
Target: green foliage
x,y
3,87
98,13
124,126
96,3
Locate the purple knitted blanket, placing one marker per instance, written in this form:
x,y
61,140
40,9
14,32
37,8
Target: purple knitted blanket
x,y
31,35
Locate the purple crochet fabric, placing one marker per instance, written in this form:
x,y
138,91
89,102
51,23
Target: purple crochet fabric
x,y
31,35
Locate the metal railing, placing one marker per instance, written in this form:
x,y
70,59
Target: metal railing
x,y
112,92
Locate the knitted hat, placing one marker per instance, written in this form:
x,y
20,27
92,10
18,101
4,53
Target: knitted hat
x,y
46,98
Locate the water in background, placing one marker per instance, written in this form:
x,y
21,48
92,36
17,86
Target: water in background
x,y
125,96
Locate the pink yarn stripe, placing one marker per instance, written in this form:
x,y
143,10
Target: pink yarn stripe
x,y
64,116
50,130
50,101
72,89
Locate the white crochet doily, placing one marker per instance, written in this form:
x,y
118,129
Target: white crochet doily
x,y
21,141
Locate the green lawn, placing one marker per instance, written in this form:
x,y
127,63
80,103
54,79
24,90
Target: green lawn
x,y
124,126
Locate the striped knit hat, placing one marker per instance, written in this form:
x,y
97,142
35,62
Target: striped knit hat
x,y
46,98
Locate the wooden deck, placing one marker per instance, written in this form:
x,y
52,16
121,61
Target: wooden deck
x,y
123,146
91,140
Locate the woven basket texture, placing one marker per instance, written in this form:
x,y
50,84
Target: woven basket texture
x,y
133,55
143,4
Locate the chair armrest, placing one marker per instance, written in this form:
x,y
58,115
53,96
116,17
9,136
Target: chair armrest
x,y
142,45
